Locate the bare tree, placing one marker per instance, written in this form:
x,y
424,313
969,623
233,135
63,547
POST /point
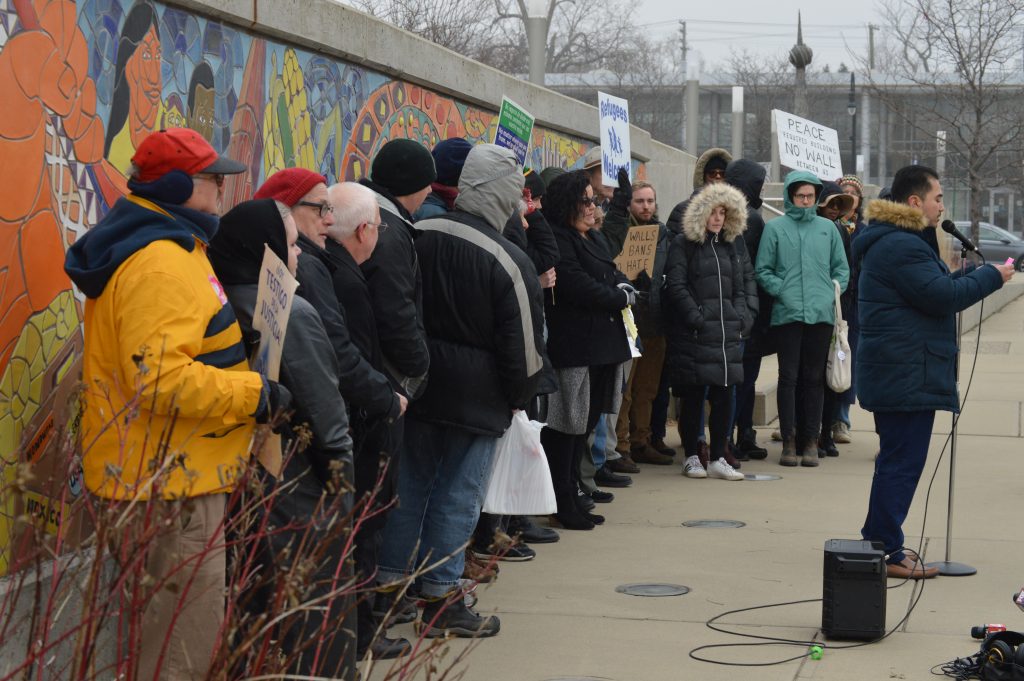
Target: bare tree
x,y
767,84
468,27
954,69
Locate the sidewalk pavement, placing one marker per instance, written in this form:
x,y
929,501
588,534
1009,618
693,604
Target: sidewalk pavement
x,y
562,618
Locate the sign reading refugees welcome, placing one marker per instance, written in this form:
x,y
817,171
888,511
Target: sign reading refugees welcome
x,y
638,252
615,153
514,129
806,145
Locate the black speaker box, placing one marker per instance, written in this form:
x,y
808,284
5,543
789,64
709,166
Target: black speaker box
x,y
853,594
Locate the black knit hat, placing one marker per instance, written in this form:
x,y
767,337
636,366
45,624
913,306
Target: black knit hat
x,y
449,157
403,167
535,184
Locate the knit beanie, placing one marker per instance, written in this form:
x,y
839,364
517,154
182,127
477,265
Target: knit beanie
x,y
550,173
403,167
449,157
535,184
853,181
289,185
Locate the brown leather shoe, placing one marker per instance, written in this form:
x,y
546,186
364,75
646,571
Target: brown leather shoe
x,y
660,445
622,465
729,458
908,568
648,454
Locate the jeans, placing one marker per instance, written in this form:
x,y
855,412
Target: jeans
x,y
441,478
903,438
803,349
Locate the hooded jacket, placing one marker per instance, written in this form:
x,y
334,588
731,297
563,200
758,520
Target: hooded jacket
x,y
908,300
849,297
396,285
481,303
164,359
799,255
675,218
705,298
748,176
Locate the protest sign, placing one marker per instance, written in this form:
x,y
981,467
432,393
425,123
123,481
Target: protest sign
x,y
270,318
638,251
806,145
615,154
514,129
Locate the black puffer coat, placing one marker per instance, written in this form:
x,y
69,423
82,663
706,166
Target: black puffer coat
x,y
705,299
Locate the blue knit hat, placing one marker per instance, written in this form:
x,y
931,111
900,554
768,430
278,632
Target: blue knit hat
x,y
449,157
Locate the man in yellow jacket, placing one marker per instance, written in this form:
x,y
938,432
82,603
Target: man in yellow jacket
x,y
170,403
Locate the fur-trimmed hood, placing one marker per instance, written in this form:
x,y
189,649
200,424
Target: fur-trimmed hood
x,y
896,214
718,194
702,163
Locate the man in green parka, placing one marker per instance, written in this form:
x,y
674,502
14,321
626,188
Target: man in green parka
x,y
799,256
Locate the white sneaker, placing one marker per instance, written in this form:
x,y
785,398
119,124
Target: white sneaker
x,y
841,433
723,471
693,469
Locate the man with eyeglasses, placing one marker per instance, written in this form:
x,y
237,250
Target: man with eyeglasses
x,y
170,402
305,192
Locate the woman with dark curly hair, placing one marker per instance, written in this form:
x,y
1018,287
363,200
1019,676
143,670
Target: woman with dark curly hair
x,y
586,339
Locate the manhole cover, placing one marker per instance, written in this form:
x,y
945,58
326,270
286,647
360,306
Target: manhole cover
x,y
652,589
761,476
714,523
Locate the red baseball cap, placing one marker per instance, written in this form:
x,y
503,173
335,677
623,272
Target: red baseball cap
x,y
180,149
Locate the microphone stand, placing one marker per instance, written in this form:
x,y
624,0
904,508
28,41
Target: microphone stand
x,y
948,567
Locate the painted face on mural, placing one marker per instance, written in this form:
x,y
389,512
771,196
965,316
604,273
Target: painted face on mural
x,y
143,73
200,117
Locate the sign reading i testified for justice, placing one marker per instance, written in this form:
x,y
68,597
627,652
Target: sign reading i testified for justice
x,y
514,129
270,318
615,154
638,251
806,145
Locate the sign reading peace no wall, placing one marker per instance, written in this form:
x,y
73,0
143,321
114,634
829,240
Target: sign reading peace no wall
x,y
806,145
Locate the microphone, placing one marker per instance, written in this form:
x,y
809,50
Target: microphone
x,y
949,228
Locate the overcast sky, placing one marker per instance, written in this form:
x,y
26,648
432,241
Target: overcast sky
x,y
715,29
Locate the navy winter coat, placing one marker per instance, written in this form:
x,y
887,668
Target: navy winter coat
x,y
908,300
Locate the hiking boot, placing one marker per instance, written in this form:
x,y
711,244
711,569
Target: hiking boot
x,y
841,433
729,458
721,470
827,445
648,454
789,453
401,613
384,648
478,570
660,445
451,617
692,468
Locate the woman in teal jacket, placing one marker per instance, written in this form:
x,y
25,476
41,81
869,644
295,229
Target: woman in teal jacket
x,y
799,256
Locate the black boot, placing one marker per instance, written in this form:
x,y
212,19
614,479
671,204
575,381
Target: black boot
x,y
827,444
747,443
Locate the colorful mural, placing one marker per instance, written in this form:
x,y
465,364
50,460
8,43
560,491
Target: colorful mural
x,y
85,82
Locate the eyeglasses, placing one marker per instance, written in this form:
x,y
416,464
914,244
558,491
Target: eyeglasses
x,y
588,201
216,179
716,174
381,226
323,207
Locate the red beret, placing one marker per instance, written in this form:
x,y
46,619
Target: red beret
x,y
289,185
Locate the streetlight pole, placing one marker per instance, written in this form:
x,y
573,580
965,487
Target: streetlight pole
x,y
851,108
536,18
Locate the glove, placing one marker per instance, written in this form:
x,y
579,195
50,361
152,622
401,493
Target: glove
x,y
528,199
630,293
623,194
642,282
273,398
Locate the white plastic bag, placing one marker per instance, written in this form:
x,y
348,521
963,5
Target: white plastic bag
x,y
520,478
839,370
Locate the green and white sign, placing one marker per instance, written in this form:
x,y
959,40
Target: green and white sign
x,y
515,127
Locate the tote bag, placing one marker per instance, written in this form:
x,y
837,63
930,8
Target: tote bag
x,y
838,371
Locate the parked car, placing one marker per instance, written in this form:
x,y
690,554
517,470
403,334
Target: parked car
x,y
996,243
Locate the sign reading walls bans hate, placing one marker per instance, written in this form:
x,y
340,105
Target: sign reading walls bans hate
x,y
615,152
805,145
270,318
514,129
638,251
